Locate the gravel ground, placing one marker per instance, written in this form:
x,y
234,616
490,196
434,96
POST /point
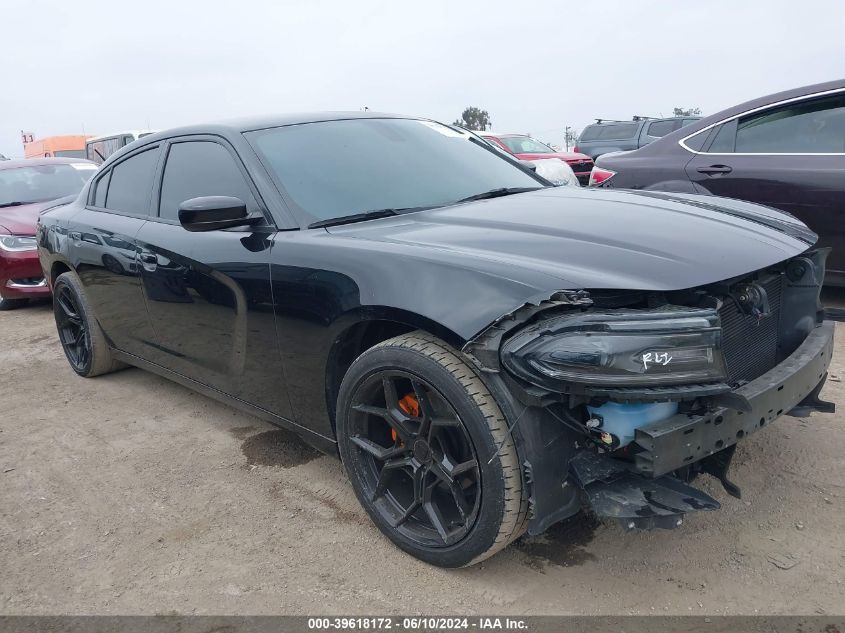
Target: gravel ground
x,y
131,494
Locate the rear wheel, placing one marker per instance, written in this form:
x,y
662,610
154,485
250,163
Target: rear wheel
x,y
82,339
429,453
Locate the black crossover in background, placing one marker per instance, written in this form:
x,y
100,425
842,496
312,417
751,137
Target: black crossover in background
x,y
486,353
785,150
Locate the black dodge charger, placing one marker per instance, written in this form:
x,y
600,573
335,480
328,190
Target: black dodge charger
x,y
486,353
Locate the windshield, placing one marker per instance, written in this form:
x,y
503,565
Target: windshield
x,y
42,182
525,145
332,169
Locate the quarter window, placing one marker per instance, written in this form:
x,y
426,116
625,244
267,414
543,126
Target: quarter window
x,y
662,128
816,126
200,168
696,142
100,190
130,183
723,142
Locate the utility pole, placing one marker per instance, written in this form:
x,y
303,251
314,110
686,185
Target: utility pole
x,y
566,137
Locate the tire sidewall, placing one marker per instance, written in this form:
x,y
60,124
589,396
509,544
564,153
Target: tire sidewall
x,y
489,519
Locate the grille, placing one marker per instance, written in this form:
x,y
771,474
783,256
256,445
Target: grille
x,y
580,166
751,349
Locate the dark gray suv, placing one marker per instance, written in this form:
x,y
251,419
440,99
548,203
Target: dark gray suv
x,y
604,136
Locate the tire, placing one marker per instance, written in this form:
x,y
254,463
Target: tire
x,y
79,331
384,447
12,304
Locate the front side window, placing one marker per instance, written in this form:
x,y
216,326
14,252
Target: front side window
x,y
131,181
39,183
331,169
526,145
200,168
816,126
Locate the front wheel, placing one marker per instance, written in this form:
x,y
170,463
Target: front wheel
x,y
429,453
12,304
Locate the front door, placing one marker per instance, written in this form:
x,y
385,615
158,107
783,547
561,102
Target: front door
x,y
790,157
208,293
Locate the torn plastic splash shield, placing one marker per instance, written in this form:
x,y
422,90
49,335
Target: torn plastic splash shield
x,y
615,491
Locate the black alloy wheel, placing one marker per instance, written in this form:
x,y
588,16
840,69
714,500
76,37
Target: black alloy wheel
x,y
423,475
73,330
83,341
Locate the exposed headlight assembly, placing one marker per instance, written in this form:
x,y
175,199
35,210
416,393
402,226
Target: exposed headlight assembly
x,y
618,348
17,243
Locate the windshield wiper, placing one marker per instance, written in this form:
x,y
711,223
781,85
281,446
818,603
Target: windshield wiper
x,y
498,193
364,215
12,204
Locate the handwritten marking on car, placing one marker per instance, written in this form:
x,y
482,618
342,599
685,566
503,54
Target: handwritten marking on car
x,y
659,358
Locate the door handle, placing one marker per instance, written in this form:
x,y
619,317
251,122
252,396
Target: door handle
x,y
149,261
715,169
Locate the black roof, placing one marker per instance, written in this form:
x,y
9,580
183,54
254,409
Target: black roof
x,y
247,124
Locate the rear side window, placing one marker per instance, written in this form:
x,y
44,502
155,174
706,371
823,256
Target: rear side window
x,y
662,128
609,131
590,133
816,126
200,168
130,183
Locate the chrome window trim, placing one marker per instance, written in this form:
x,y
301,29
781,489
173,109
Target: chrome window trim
x,y
768,106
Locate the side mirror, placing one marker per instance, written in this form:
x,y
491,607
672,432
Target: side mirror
x,y
529,165
211,213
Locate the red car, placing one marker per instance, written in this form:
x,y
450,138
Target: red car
x,y
28,187
526,148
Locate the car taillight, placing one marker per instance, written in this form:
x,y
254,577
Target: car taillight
x,y
599,176
576,150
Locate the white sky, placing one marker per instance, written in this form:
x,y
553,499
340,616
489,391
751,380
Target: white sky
x,y
101,66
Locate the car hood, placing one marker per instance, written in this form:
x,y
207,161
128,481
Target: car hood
x,y
22,220
571,238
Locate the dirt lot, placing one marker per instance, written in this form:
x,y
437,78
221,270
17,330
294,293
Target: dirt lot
x,y
130,494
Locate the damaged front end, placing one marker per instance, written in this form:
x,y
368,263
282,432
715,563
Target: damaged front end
x,y
619,399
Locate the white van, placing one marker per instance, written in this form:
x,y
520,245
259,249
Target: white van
x,y
99,148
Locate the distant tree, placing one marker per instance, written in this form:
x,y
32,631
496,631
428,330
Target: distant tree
x,y
687,111
474,119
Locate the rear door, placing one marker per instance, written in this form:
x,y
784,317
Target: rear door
x,y
103,248
789,156
208,293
